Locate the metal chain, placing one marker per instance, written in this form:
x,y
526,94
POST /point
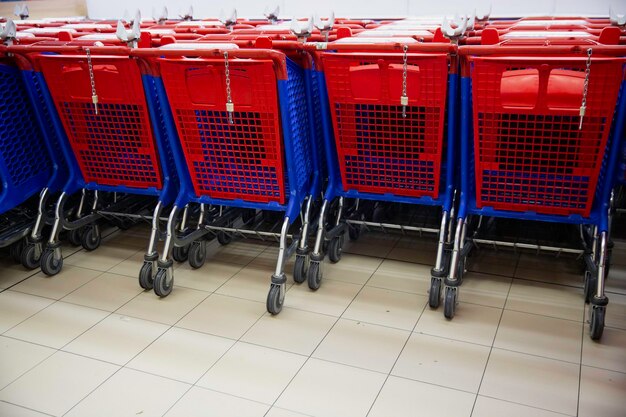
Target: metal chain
x,y
92,79
230,107
583,105
404,100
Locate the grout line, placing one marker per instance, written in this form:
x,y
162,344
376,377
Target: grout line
x,y
26,408
525,405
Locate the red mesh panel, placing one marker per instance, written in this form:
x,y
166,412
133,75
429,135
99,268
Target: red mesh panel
x,y
114,147
379,150
529,152
242,160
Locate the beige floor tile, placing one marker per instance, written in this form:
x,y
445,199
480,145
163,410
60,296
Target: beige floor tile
x,y
371,244
608,353
11,410
472,323
57,325
106,292
12,273
355,269
332,298
491,407
571,278
485,289
168,310
281,412
540,335
200,402
426,256
444,362
292,330
57,287
131,393
240,252
362,345
181,354
616,281
616,311
602,393
116,339
266,261
101,259
249,283
17,357
223,316
253,372
58,383
328,389
530,380
403,398
402,276
488,261
208,278
131,266
16,307
546,299
387,308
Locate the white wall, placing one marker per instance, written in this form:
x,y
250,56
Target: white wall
x,y
357,8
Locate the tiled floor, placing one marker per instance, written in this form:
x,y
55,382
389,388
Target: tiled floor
x,y
90,342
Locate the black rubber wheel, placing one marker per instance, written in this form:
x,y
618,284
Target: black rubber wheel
x,y
197,254
354,232
314,276
162,288
274,303
16,250
29,258
299,269
146,280
434,295
91,238
75,236
334,249
180,253
590,286
49,265
596,324
449,302
224,238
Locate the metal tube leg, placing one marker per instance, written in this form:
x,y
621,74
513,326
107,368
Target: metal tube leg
x,y
452,279
41,213
201,218
319,238
339,212
305,224
443,231
81,204
154,233
604,247
280,263
183,222
56,227
169,237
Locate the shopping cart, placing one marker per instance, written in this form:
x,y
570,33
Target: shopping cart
x,y
389,136
114,141
539,129
242,119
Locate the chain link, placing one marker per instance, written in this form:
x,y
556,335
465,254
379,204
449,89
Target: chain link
x,y
230,107
583,105
404,100
92,79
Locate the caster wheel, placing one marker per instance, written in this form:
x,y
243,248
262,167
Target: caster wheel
x,y
180,253
162,287
91,238
75,236
596,324
314,275
197,254
145,276
29,257
49,265
224,238
354,232
299,269
590,286
16,250
274,300
434,295
334,249
449,302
